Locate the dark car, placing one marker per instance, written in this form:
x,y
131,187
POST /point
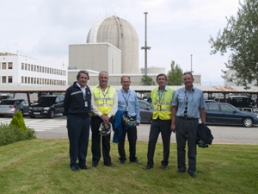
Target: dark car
x,y
241,101
225,113
47,105
146,110
11,106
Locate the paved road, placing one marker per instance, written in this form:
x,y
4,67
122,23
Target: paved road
x,y
56,128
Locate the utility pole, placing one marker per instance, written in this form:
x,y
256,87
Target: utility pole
x,y
191,64
145,47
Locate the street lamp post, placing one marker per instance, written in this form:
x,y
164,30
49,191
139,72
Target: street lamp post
x,y
145,47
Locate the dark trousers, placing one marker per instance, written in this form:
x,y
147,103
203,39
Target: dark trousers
x,y
186,130
78,134
95,146
163,127
132,138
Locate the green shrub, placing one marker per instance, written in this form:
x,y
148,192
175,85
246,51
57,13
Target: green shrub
x,y
15,131
18,121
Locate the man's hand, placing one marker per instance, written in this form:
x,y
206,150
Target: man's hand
x,y
105,118
173,128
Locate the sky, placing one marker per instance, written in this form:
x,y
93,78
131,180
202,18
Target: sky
x,y
177,30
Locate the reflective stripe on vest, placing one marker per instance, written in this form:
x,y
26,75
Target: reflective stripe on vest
x,y
162,107
104,101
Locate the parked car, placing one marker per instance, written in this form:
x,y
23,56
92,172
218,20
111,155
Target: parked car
x,y
225,113
11,106
4,97
47,105
146,110
241,101
248,109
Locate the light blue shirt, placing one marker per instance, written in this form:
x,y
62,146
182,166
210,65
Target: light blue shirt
x,y
128,101
193,100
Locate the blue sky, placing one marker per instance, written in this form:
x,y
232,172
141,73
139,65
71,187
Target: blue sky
x,y
43,29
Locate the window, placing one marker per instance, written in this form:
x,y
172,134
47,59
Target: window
x,y
10,65
3,65
3,79
10,79
212,106
22,66
227,108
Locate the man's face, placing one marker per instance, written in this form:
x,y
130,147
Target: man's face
x,y
125,83
103,79
83,79
161,80
188,80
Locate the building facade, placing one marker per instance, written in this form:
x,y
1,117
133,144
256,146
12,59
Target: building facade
x,y
21,70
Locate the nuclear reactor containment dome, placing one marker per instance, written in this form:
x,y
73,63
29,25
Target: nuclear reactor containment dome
x,y
122,35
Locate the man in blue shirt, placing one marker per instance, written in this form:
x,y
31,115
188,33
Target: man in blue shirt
x,y
188,106
128,102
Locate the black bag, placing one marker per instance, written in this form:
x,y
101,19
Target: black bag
x,y
204,136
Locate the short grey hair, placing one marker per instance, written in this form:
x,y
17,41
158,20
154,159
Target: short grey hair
x,y
125,76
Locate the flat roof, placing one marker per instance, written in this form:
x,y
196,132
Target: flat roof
x,y
205,89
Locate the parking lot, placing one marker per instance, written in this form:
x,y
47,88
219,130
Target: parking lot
x,y
56,128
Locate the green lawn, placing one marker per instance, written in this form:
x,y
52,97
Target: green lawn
x,y
42,166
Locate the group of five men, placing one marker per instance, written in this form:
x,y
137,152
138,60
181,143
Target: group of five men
x,y
173,111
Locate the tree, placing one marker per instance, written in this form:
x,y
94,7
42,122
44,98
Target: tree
x,y
175,75
147,81
240,36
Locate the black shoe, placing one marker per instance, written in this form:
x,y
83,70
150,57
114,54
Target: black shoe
x,y
192,174
121,162
164,167
135,161
109,165
94,165
75,168
84,167
148,167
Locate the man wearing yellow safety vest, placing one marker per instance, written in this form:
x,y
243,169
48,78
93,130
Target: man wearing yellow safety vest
x,y
104,106
161,97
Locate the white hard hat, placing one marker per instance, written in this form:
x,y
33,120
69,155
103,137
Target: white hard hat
x,y
105,128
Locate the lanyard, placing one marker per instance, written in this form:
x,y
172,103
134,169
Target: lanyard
x,y
126,100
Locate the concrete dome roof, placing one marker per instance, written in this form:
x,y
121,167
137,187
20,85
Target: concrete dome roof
x,y
122,35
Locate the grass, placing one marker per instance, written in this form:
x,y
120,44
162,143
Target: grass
x,y
42,166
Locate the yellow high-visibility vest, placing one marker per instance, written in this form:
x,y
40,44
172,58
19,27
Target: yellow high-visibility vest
x,y
162,105
104,101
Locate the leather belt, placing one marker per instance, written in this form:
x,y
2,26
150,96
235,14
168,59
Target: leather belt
x,y
187,118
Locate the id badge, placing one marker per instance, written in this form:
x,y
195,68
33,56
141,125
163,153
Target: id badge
x,y
126,108
86,104
105,101
159,107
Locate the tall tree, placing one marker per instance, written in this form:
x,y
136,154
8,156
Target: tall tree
x,y
147,81
175,75
240,37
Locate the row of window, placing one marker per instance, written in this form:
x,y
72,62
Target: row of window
x,y
41,69
7,79
34,80
6,65
42,81
35,68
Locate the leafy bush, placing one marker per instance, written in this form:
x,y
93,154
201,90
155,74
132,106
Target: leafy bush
x,y
18,121
15,131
